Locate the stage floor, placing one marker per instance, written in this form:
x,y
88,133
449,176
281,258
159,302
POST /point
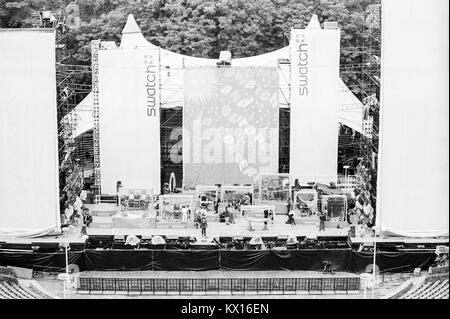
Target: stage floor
x,y
102,218
239,228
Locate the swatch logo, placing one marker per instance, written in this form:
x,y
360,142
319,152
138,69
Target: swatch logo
x,y
150,85
302,51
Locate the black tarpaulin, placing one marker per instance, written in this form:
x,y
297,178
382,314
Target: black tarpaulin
x,y
249,260
119,259
190,260
392,261
41,261
199,260
312,259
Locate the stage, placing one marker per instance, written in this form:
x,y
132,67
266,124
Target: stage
x,y
102,249
103,225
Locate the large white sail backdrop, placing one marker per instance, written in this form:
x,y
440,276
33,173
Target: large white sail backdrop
x,y
230,124
314,103
29,204
413,158
129,119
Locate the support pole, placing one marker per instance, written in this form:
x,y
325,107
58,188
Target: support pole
x,y
374,265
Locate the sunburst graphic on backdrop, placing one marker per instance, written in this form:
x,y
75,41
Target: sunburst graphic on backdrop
x,y
200,85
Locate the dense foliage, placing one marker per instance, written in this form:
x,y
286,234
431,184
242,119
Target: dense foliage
x,y
198,27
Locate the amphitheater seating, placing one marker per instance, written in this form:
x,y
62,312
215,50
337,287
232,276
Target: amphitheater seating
x,y
13,288
433,287
10,290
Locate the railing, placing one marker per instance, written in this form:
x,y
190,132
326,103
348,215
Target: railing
x,y
385,277
220,285
395,274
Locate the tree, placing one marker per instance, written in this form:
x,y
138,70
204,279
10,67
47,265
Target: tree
x,y
200,28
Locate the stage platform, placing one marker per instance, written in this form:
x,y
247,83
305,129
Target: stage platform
x,y
103,225
103,215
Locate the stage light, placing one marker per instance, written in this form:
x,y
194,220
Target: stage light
x,y
330,25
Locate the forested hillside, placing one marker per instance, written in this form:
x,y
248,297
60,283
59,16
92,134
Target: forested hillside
x,y
199,27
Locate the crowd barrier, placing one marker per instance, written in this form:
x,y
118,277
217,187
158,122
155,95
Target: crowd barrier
x,y
220,285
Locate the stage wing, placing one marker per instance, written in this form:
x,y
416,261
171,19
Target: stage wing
x,y
29,204
129,119
315,85
230,123
413,158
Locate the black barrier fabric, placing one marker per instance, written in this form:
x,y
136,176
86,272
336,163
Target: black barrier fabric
x,y
391,261
199,260
284,259
312,259
42,261
251,260
195,260
119,259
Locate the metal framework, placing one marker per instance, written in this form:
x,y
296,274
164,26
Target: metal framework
x,y
232,286
95,46
367,89
171,117
69,94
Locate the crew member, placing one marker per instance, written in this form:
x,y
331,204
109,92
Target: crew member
x,y
322,218
203,224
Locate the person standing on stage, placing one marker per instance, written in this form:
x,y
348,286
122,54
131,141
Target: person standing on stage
x,y
203,224
322,218
289,205
266,216
216,205
231,214
184,214
291,219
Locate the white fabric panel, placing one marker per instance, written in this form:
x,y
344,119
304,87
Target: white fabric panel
x,y
172,72
83,113
350,108
413,166
129,119
314,96
230,122
29,204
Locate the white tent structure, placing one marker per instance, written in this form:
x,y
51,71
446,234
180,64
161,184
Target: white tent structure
x,y
349,108
122,117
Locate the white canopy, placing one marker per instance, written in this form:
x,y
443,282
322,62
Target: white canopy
x,y
350,109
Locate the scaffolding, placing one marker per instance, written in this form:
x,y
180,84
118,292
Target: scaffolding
x,y
69,94
365,77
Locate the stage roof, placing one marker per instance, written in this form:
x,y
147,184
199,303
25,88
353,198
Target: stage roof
x,y
350,109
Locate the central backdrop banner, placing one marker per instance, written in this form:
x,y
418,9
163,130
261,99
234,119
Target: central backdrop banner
x,y
230,124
